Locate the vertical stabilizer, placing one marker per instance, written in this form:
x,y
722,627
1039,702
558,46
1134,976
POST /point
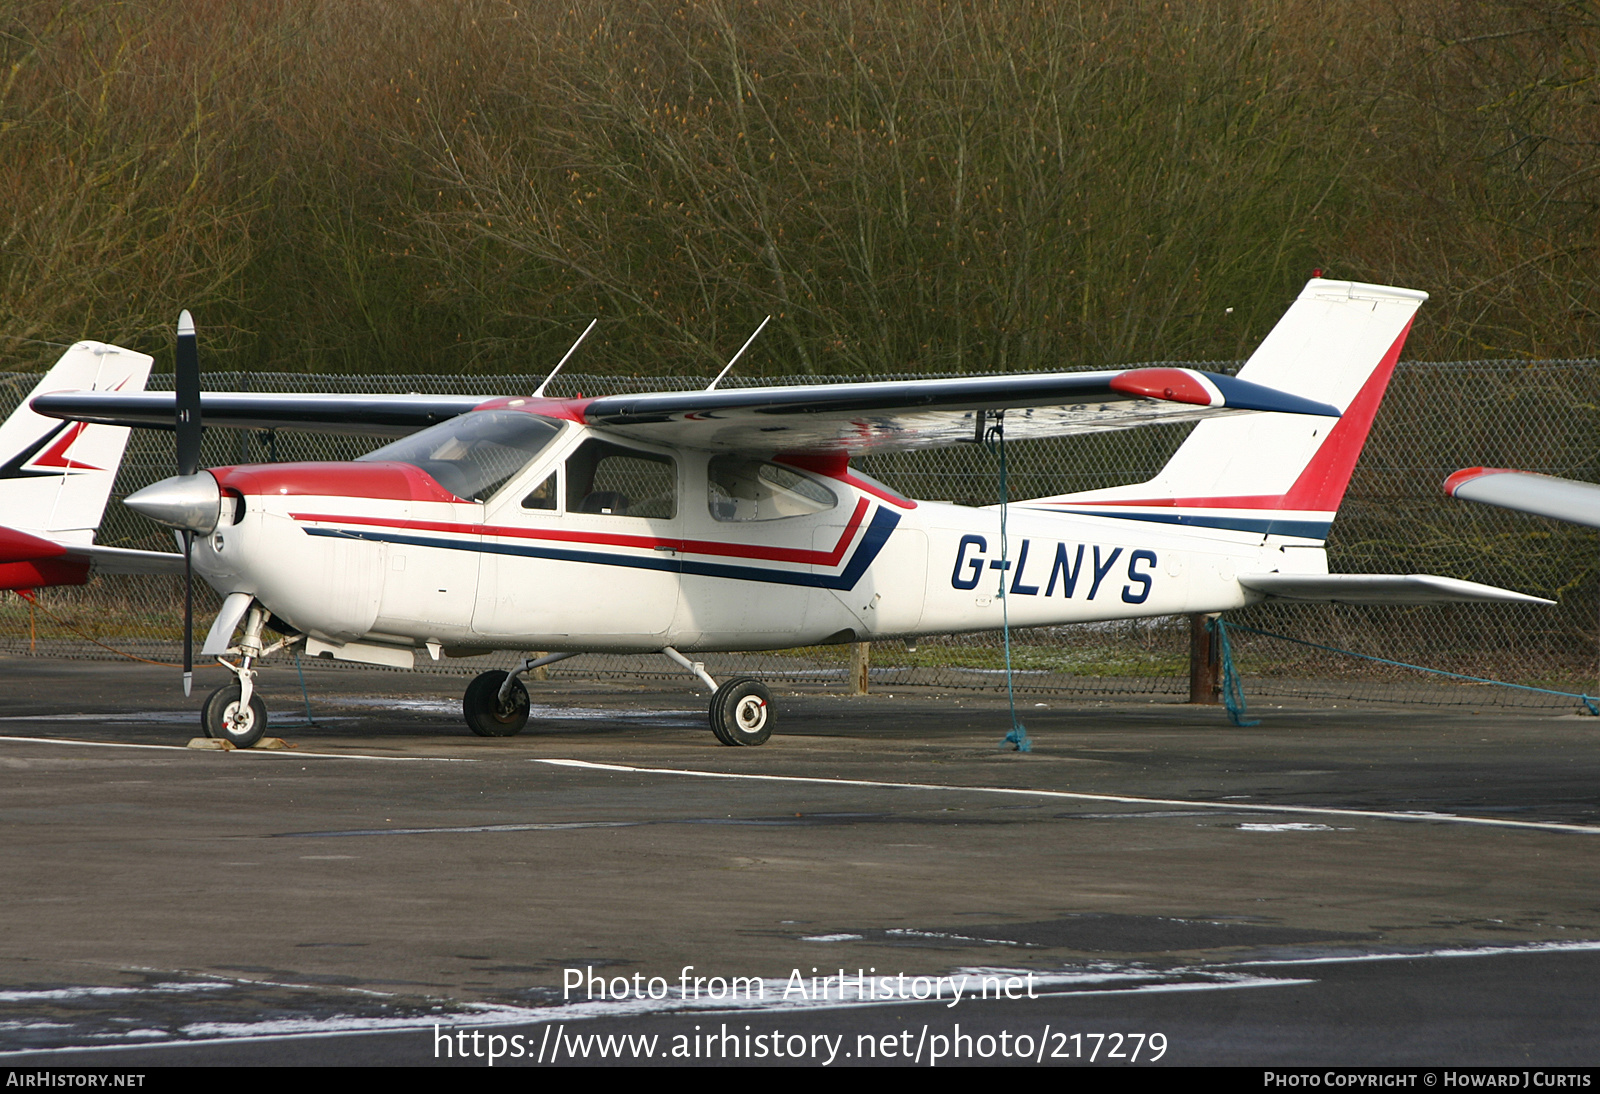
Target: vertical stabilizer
x,y
1280,474
55,476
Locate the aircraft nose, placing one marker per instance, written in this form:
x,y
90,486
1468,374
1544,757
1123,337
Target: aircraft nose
x,y
184,501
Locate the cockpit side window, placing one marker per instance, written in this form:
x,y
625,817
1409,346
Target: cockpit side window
x,y
609,479
739,489
542,496
472,456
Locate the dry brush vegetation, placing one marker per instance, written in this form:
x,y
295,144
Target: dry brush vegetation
x,y
908,185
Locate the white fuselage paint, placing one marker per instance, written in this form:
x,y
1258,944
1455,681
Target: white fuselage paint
x,y
477,576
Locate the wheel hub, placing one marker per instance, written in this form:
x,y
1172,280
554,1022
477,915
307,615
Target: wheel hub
x,y
751,713
237,719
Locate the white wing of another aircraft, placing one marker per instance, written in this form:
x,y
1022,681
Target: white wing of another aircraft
x,y
56,477
1541,495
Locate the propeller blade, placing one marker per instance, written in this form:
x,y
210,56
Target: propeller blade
x,y
187,382
188,614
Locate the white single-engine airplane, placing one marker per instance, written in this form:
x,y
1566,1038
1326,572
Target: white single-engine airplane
x,y
56,478
724,520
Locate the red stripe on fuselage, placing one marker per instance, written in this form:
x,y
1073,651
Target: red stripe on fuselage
x,y
803,556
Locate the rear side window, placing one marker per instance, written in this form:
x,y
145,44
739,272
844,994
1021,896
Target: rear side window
x,y
739,489
611,480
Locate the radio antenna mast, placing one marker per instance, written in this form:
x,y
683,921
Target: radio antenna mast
x,y
738,355
540,393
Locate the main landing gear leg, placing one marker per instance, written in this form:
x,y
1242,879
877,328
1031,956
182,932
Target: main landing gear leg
x,y
741,709
234,712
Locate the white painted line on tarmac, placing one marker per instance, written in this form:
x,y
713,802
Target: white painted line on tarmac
x,y
1066,795
285,753
1455,951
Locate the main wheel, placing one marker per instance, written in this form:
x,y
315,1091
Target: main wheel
x,y
741,712
224,718
486,715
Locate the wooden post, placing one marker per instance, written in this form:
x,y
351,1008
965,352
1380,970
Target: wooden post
x,y
1205,663
860,655
543,671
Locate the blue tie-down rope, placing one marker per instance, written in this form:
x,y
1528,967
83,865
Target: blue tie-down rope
x,y
1232,690
1586,700
1017,740
305,695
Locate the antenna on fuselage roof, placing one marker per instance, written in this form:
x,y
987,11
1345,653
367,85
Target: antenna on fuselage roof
x,y
738,355
540,393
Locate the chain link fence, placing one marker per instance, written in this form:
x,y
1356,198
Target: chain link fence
x,y
1438,417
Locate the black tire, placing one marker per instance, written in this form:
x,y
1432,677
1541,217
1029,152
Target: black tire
x,y
220,716
742,712
481,706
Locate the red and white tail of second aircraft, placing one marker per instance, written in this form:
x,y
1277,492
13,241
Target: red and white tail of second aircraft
x,y
722,520
56,477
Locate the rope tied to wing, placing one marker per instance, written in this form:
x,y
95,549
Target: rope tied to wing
x,y
995,440
1589,703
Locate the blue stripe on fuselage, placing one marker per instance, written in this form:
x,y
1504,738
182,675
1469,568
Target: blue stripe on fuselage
x,y
1271,526
877,534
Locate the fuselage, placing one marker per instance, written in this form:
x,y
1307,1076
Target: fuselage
x,y
596,544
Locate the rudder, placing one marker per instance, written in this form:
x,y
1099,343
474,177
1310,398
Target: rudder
x,y
1280,474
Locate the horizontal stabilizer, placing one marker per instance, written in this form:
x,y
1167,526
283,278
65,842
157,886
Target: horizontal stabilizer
x,y
1541,495
123,560
1382,589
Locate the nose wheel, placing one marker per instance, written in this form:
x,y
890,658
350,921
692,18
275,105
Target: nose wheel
x,y
741,712
226,717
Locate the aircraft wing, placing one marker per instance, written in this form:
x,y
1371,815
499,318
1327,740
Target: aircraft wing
x,y
1541,495
906,414
1382,589
374,415
849,418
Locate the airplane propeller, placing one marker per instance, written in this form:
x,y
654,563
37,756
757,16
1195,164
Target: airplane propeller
x,y
186,381
189,502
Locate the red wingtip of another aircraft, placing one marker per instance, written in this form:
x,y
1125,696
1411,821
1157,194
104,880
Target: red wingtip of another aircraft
x,y
1467,474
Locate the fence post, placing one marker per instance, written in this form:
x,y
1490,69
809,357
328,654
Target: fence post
x,y
1205,668
860,655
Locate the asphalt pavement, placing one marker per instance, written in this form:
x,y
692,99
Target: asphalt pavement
x,y
882,882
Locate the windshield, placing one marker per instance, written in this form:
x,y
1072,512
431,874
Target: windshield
x,y
472,456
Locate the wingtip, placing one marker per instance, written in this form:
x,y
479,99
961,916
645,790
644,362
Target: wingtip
x,y
1467,474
